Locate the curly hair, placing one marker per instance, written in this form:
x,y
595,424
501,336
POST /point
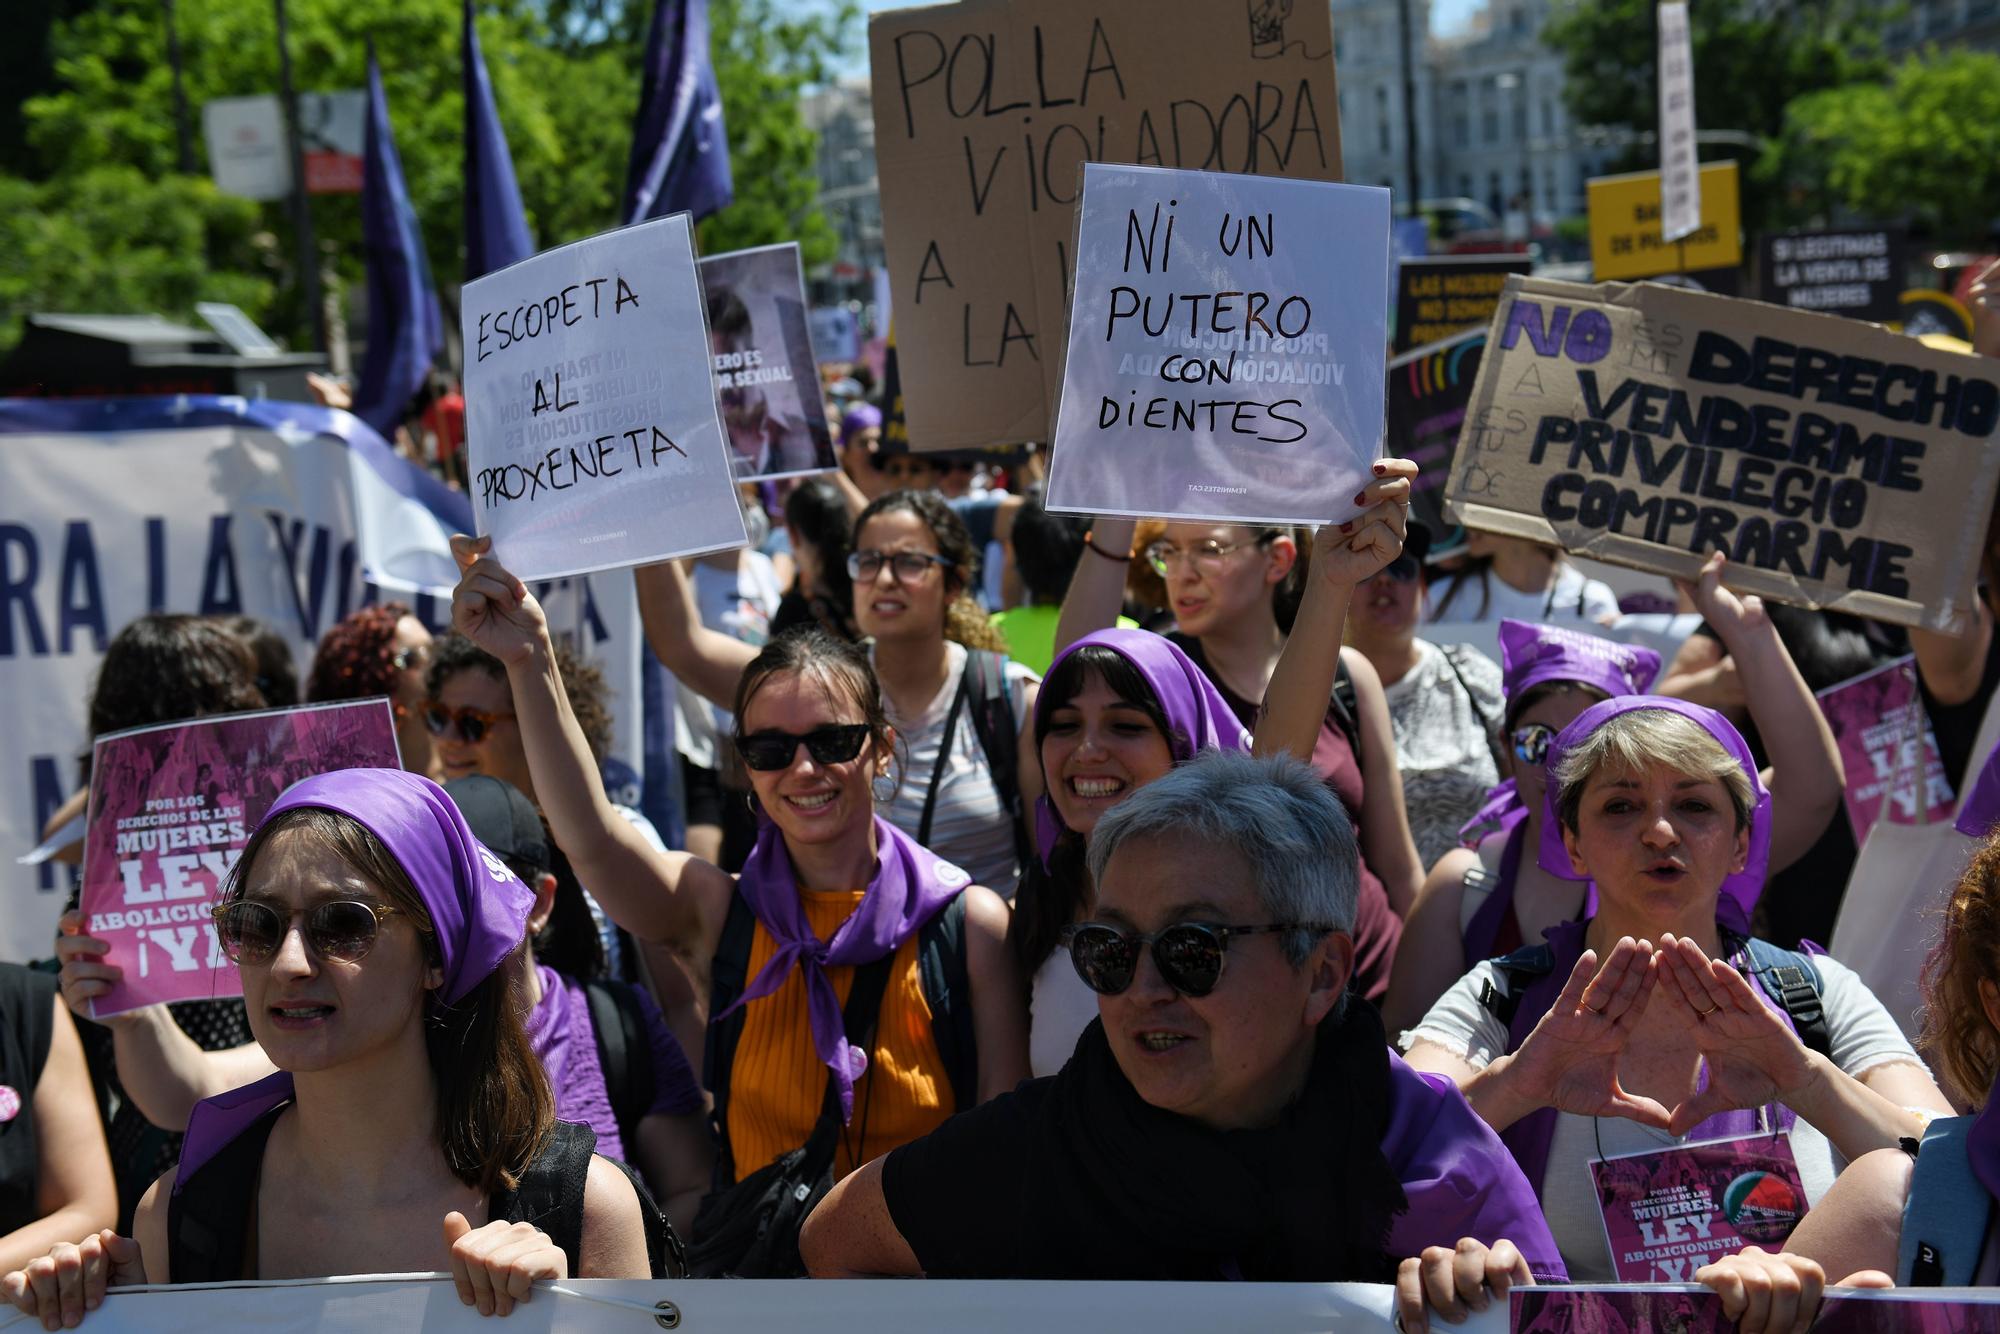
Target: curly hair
x,y
584,685
353,661
964,622
1958,1037
166,666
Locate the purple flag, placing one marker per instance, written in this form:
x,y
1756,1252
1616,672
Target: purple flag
x,y
405,326
496,226
680,157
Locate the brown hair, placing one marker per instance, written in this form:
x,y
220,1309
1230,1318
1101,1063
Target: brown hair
x,y
495,1112
964,622
839,667
1957,1036
164,667
354,657
1629,742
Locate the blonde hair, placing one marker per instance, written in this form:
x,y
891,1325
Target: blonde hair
x,y
1632,742
1957,1035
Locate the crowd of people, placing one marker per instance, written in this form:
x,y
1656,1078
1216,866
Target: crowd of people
x,y
1127,900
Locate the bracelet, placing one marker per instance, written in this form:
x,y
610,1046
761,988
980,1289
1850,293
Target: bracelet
x,y
1091,542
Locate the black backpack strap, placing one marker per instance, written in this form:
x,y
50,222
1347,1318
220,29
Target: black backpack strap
x,y
729,974
549,1193
1345,706
1521,970
624,1050
947,984
208,1217
1791,979
999,733
1486,720
943,756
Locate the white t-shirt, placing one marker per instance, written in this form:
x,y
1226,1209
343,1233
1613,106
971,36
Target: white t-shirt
x,y
1439,713
740,603
1861,1035
1060,1007
1571,598
969,826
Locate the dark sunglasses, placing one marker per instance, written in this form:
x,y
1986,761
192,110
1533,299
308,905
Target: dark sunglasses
x,y
472,724
906,566
1531,742
1404,569
342,929
1189,955
828,745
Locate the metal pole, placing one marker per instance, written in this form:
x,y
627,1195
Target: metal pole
x,y
1409,107
308,260
183,129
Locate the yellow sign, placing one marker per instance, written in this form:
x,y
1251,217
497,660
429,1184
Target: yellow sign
x,y
1625,239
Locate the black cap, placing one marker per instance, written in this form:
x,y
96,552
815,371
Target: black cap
x,y
501,818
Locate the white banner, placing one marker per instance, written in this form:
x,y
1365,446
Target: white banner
x,y
1680,173
111,508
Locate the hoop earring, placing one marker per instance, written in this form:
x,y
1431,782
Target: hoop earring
x,y
882,798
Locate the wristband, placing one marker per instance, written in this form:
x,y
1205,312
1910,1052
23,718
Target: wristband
x,y
1091,542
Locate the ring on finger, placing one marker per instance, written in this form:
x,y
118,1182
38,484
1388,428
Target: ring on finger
x,y
1596,1010
1709,1011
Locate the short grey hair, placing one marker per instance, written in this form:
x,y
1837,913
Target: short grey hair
x,y
1276,813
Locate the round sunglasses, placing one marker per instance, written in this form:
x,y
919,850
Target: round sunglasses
x,y
1531,742
834,744
1189,955
471,724
341,929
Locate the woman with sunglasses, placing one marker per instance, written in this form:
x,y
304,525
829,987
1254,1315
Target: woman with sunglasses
x,y
409,1125
829,888
911,570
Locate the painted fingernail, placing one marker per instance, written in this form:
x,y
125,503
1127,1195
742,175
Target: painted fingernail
x,y
1381,468
1361,499
1347,527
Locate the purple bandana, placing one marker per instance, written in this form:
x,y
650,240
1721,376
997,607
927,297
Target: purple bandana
x,y
478,909
861,417
1739,890
911,886
1198,718
1531,653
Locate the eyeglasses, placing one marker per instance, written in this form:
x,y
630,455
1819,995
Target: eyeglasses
x,y
907,566
1531,742
1206,556
417,655
472,724
344,929
1189,955
827,745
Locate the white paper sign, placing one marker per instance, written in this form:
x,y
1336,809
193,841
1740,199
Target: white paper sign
x,y
590,411
1227,342
1680,174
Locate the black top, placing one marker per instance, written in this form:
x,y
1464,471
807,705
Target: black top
x,y
1957,725
27,1023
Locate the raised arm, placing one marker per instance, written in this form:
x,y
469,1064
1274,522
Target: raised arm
x,y
708,661
1386,844
1952,665
1097,589
1431,955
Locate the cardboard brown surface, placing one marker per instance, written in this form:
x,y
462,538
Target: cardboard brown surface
x,y
1838,464
984,111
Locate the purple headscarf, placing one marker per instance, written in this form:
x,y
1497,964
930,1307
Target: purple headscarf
x,y
1198,718
911,885
478,909
1740,889
861,417
1531,653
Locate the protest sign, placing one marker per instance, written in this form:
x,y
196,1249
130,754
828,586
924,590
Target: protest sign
x,y
1436,298
1224,362
1838,465
1626,237
1687,1309
170,810
1894,769
983,111
1680,178
766,380
591,426
1668,1212
1853,273
1429,388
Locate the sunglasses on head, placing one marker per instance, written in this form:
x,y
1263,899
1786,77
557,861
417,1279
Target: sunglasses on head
x,y
342,929
835,744
472,724
1189,955
1531,742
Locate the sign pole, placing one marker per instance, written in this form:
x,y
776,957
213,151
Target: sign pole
x,y
301,206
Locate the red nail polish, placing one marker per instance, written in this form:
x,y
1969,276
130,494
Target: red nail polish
x,y
1347,527
1381,468
1361,499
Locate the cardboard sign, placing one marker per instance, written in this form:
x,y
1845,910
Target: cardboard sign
x,y
172,806
1858,274
1626,236
1894,768
1838,465
1436,298
1668,1212
591,424
984,110
1224,362
1429,388
766,381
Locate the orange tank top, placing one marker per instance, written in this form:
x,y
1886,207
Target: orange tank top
x,y
777,1083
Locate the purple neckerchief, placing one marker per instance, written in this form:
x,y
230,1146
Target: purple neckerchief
x,y
1982,1146
1198,718
1504,809
478,910
1529,1137
1981,809
565,1042
911,885
1484,928
1740,890
1531,653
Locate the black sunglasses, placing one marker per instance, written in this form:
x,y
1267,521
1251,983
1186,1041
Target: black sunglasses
x,y
343,929
1189,955
1531,742
828,745
1404,569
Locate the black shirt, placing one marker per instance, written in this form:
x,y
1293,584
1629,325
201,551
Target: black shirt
x,y
27,1025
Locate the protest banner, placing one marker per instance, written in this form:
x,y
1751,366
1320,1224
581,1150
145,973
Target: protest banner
x,y
1837,464
1224,362
1853,273
983,111
1667,1212
1894,769
288,512
766,378
1436,298
1626,236
1684,1308
1429,388
592,433
171,808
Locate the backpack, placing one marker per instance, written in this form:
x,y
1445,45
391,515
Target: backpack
x,y
624,1051
1947,1212
1344,707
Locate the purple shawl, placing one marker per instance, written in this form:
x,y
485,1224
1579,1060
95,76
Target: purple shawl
x,y
911,885
1198,718
478,909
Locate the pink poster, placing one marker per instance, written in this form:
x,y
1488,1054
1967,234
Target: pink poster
x,y
1671,1211
1888,748
170,809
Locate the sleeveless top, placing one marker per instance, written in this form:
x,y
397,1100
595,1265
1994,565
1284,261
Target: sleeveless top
x,y
777,1083
27,1026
